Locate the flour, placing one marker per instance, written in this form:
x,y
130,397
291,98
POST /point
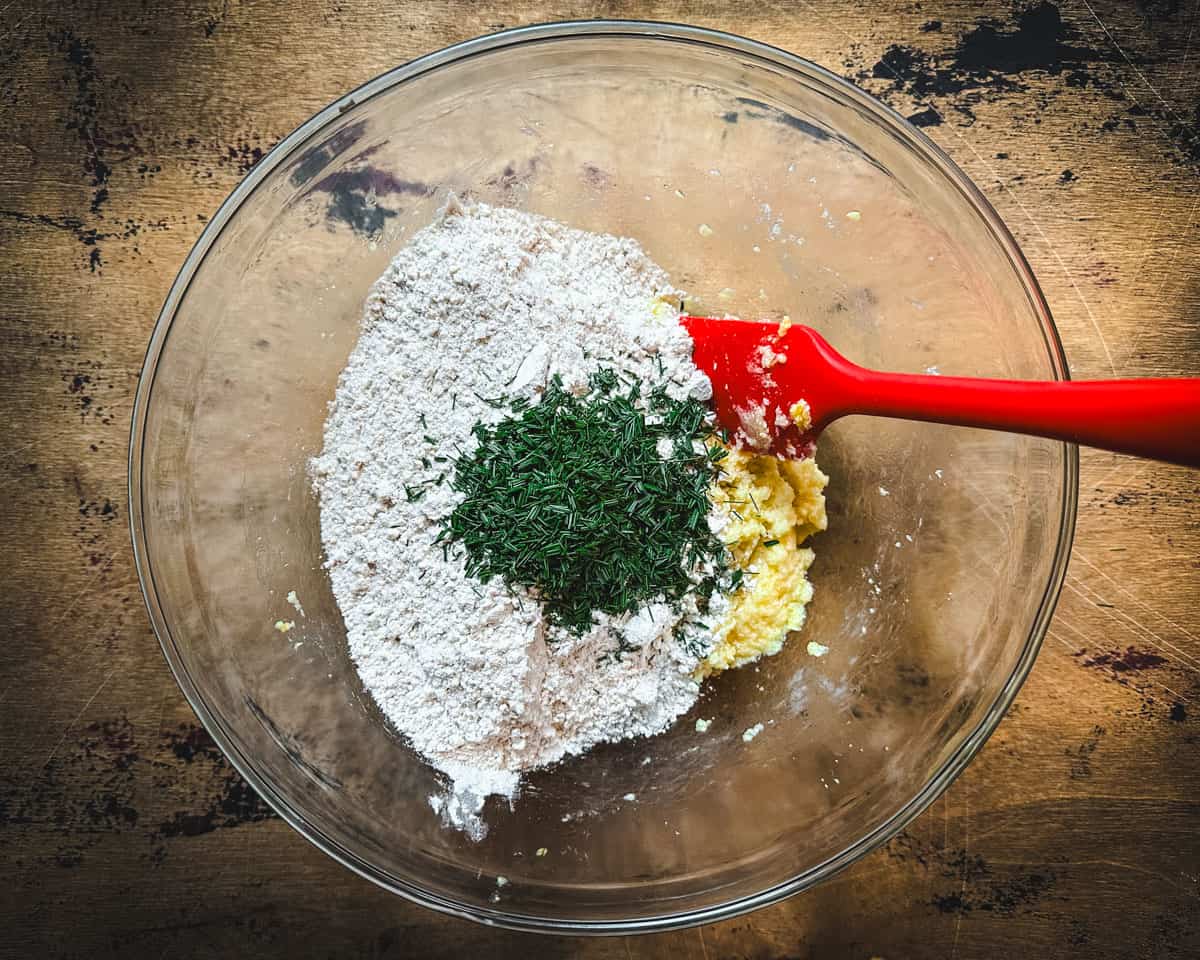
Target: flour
x,y
487,302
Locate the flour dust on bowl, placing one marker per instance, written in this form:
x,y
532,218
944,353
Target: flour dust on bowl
x,y
761,186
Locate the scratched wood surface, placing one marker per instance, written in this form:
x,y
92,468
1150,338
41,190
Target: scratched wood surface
x,y
122,830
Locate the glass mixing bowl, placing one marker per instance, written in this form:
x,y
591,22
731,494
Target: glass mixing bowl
x,y
934,583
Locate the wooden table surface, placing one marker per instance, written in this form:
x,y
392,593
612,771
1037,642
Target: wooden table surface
x,y
123,832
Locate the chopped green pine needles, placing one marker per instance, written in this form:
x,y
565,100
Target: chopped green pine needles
x,y
570,498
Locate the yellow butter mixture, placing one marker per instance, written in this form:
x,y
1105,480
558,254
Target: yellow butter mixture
x,y
764,510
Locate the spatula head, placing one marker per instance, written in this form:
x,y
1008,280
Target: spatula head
x,y
758,375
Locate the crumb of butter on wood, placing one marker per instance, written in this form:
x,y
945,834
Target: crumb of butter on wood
x,y
295,602
283,626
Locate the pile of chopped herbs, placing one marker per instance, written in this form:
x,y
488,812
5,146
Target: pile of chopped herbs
x,y
571,498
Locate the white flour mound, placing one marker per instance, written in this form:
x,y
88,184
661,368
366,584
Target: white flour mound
x,y
485,302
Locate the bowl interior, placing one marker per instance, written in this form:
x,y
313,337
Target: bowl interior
x,y
932,583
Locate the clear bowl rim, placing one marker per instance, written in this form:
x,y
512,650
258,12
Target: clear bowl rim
x,y
951,768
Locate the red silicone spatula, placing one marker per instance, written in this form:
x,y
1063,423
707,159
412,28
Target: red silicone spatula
x,y
758,374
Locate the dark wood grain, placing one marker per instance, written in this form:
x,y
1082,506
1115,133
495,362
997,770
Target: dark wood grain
x,y
124,832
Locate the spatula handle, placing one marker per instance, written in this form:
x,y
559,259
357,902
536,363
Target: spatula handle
x,y
1154,418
